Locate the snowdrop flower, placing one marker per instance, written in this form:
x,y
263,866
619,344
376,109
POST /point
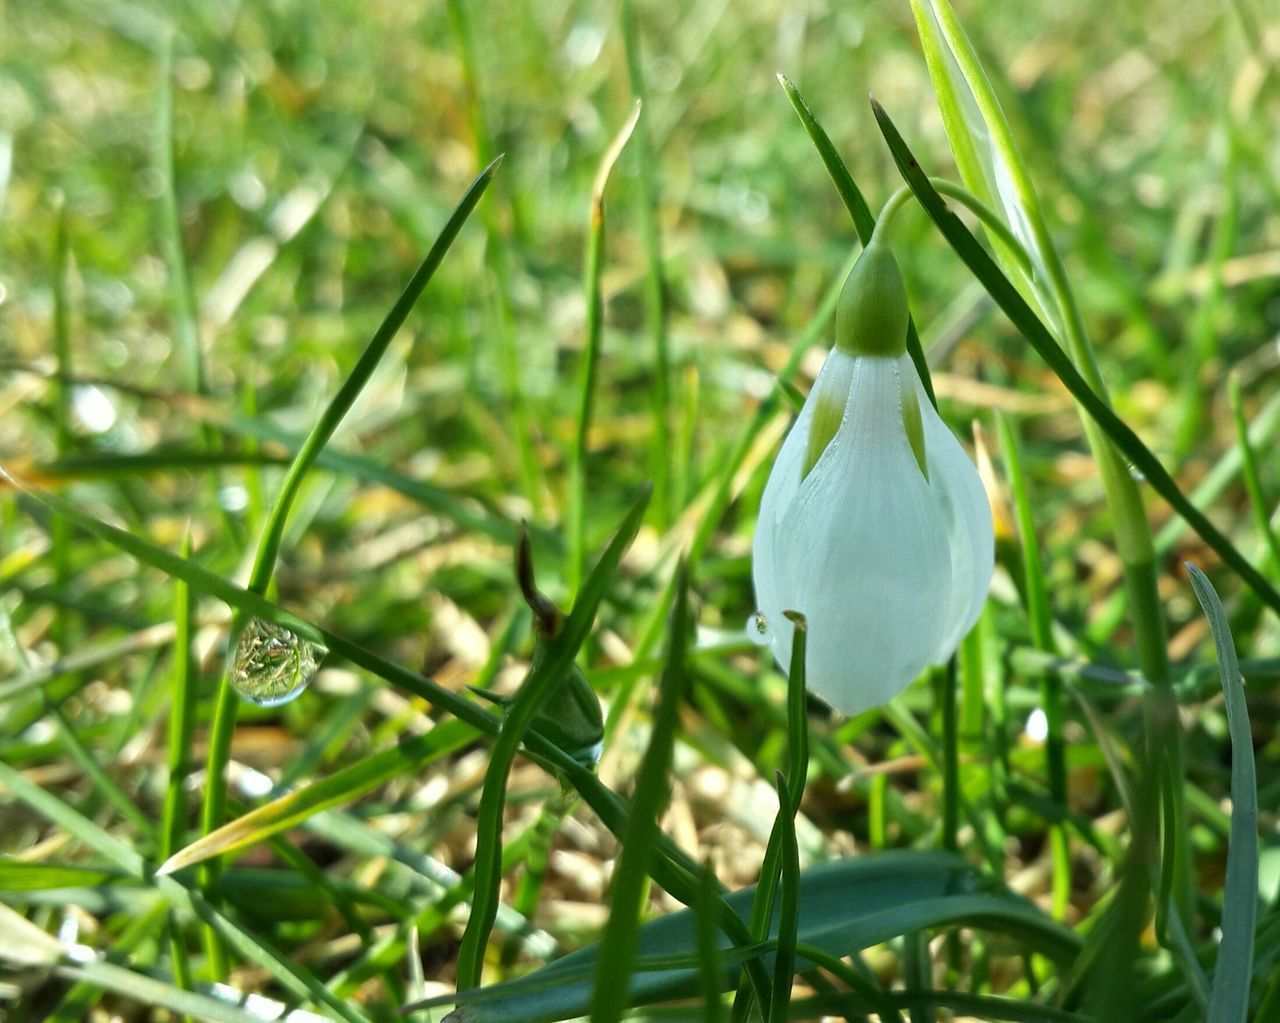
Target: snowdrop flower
x,y
873,524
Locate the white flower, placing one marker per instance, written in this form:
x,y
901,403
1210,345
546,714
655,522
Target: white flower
x,y
889,564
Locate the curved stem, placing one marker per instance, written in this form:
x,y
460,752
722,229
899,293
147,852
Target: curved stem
x,y
989,218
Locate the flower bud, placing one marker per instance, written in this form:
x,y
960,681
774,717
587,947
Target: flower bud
x,y
874,524
872,314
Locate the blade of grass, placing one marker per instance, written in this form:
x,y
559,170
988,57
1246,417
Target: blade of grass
x,y
65,732
23,942
1261,433
784,963
1249,472
77,1004
654,285
343,786
860,981
227,702
295,978
618,945
710,960
518,716
1040,618
182,721
576,520
185,324
863,219
798,768
1229,997
992,168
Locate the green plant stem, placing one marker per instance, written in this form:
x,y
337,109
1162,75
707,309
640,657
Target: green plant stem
x,y
789,908
985,214
771,866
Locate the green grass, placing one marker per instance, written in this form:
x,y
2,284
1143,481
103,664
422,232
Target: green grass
x,y
219,402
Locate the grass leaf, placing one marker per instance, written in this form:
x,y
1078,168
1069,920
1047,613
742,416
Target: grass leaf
x,y
1229,996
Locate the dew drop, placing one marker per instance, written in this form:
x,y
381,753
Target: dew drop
x,y
271,665
1138,475
758,630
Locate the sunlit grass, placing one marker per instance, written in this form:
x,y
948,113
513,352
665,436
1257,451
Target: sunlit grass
x,y
214,411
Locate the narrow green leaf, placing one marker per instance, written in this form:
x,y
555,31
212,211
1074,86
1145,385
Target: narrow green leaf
x,y
1229,997
293,977
138,935
771,865
863,220
519,715
181,714
654,287
575,517
784,962
148,991
619,944
991,167
213,811
710,961
1258,503
850,194
843,907
343,786
20,876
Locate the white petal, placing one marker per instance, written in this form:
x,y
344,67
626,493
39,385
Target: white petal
x,y
967,514
784,478
861,549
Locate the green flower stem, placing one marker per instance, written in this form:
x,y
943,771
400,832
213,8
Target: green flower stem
x,y
943,186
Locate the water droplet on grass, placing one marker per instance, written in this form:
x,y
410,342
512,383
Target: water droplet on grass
x,y
758,630
271,665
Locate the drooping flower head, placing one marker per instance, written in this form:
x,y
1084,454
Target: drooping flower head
x,y
873,524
